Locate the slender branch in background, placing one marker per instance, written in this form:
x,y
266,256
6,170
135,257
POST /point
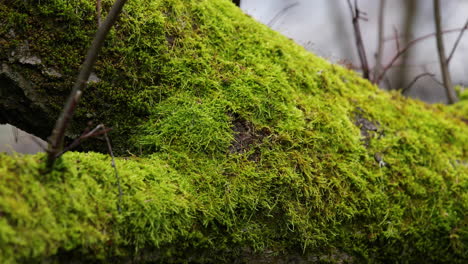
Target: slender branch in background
x,y
405,48
281,13
115,170
408,87
447,31
410,9
380,40
465,27
58,133
451,96
433,77
356,16
437,81
98,10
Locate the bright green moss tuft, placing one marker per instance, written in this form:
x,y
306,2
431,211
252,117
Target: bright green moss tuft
x,y
251,148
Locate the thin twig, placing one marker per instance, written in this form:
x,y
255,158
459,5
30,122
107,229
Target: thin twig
x,y
447,31
408,87
97,131
356,16
451,96
437,81
116,172
58,133
56,146
433,78
457,41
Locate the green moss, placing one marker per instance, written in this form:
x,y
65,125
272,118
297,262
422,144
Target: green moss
x,y
249,145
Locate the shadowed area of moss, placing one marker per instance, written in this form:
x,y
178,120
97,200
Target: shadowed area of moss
x,y
252,149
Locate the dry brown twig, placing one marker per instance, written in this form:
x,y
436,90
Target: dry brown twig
x,y
416,78
58,133
465,27
97,131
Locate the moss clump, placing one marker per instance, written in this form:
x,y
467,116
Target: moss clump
x,y
251,149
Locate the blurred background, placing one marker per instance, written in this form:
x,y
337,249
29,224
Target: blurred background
x,y
325,28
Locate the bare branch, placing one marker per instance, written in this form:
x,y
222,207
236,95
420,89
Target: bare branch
x,y
447,31
405,48
97,131
408,87
355,14
58,133
451,96
465,27
437,81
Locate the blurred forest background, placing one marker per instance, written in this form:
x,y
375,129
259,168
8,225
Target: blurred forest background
x,y
325,27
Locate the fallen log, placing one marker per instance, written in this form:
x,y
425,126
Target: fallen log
x,y
234,143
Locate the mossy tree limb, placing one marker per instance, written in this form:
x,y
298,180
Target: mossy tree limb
x,y
252,149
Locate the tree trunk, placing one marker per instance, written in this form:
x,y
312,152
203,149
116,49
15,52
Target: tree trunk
x,y
446,77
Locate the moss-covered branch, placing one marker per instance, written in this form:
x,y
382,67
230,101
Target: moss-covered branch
x,y
252,149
